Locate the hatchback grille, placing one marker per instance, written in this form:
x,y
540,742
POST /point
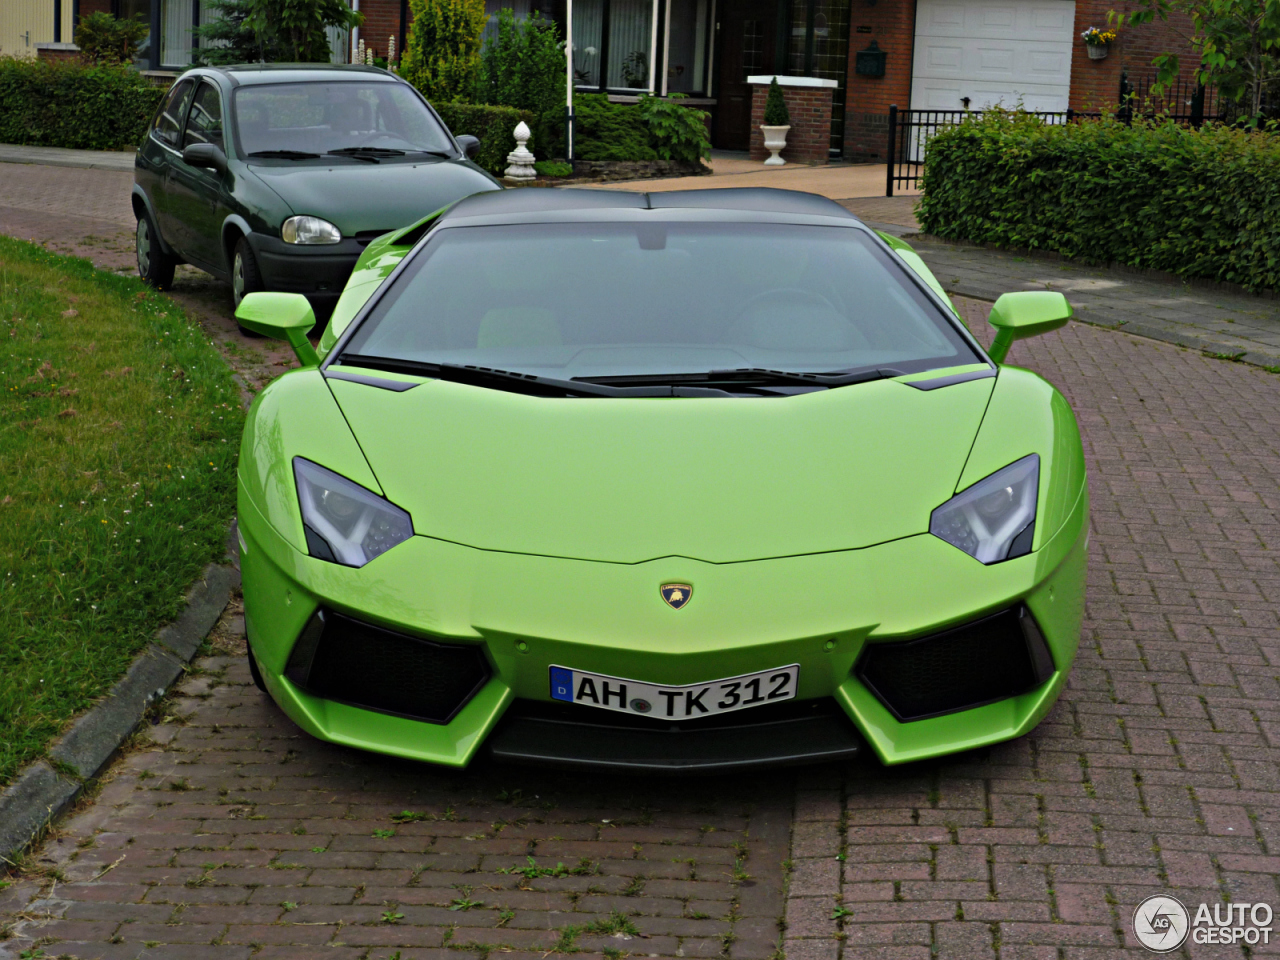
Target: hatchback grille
x,y
341,659
991,659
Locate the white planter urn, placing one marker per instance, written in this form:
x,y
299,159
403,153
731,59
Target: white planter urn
x,y
1099,51
775,141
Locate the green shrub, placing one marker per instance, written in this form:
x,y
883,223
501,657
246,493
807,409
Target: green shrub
x,y
103,39
775,107
523,66
609,131
1198,203
553,168
494,126
443,56
52,104
676,132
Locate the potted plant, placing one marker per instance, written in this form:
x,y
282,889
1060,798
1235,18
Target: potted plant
x,y
1098,42
777,121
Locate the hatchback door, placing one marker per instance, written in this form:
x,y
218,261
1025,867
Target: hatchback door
x,y
166,134
196,195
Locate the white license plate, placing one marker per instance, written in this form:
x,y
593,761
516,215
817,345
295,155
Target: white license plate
x,y
674,702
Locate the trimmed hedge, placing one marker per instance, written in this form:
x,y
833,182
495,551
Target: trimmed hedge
x,y
1197,203
493,125
609,131
67,104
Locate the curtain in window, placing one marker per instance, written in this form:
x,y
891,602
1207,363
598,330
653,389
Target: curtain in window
x,y
588,17
630,25
175,33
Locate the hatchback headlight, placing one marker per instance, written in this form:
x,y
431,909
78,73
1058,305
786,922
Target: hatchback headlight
x,y
344,522
309,230
995,519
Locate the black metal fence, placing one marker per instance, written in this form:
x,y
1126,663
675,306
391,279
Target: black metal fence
x,y
910,130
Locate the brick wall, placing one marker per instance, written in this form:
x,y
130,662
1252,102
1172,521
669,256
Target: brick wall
x,y
381,21
809,139
1095,84
892,25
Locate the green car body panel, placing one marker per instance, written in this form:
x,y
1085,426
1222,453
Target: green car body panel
x,y
545,527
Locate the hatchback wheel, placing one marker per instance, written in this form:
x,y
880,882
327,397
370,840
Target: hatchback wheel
x,y
155,267
245,278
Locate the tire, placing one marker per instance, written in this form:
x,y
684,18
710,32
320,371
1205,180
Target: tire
x,y
155,267
245,277
256,672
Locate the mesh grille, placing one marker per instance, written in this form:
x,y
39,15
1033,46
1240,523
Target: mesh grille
x,y
366,666
966,667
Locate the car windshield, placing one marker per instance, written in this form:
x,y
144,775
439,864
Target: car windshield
x,y
607,300
320,117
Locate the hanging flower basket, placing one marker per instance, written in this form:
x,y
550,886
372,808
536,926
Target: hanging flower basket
x,y
1098,42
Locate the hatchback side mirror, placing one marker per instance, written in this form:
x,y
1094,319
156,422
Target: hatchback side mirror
x,y
470,145
208,155
1027,314
282,316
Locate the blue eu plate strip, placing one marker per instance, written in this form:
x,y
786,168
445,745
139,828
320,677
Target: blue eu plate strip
x,y
561,684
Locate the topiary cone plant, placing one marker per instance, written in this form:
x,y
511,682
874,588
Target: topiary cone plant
x,y
777,121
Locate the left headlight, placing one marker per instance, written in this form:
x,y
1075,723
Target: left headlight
x,y
344,522
309,230
995,519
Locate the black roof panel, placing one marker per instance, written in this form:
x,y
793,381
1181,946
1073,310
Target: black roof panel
x,y
762,199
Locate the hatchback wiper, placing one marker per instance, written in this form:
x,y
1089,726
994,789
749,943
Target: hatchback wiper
x,y
285,154
516,382
377,151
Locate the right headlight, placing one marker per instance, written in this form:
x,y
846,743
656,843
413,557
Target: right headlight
x,y
995,519
309,230
344,522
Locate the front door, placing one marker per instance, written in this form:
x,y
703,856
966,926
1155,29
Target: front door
x,y
196,194
748,47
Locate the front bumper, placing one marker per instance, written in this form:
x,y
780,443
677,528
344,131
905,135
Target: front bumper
x,y
318,271
529,612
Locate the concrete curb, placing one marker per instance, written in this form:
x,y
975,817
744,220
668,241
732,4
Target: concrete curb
x,y
63,157
41,793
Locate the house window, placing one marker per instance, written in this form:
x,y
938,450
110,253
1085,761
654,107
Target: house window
x,y
612,44
686,58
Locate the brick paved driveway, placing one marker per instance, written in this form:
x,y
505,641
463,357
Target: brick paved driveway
x,y
232,835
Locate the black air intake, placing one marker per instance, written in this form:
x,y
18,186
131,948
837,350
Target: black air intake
x,y
341,659
991,659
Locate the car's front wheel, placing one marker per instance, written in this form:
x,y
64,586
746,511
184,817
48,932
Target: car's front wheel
x,y
155,267
245,278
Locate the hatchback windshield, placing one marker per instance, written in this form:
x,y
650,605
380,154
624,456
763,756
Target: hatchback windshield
x,y
321,117
622,299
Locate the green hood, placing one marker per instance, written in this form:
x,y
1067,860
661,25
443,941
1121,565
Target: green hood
x,y
629,480
358,197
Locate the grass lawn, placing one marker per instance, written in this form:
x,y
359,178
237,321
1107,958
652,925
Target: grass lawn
x,y
119,428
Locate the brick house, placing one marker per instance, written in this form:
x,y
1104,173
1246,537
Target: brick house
x,y
936,54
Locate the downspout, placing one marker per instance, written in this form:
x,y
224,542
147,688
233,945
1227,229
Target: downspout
x,y
666,46
355,34
153,52
402,43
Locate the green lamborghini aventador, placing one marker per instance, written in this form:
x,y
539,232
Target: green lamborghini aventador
x,y
679,481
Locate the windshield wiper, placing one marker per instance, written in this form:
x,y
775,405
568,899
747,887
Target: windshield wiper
x,y
285,154
515,382
748,377
378,151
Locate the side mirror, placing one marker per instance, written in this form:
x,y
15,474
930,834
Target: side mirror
x,y
282,316
470,145
208,155
1028,314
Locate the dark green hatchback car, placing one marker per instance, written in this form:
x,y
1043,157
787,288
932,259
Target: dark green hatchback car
x,y
275,177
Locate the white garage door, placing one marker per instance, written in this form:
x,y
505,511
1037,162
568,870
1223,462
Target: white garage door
x,y
993,52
